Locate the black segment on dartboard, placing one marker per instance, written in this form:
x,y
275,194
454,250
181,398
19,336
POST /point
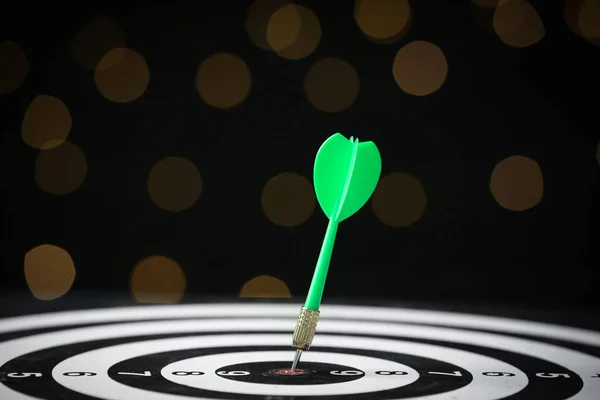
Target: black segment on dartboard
x,y
45,387
427,384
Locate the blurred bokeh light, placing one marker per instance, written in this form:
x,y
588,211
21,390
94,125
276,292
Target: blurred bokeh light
x,y
46,123
257,20
49,271
158,279
331,85
61,169
95,39
517,183
517,23
293,32
577,15
265,286
223,80
383,20
288,199
122,75
14,66
174,184
399,200
420,68
588,20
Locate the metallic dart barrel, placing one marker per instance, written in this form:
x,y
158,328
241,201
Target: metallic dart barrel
x,y
305,328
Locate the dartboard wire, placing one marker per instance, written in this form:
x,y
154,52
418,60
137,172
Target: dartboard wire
x,y
481,387
584,365
184,311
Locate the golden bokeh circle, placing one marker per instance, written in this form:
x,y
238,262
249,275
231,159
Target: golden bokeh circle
x,y
61,169
420,68
49,271
518,24
174,184
46,123
284,27
158,279
517,183
14,66
265,286
122,75
399,200
95,39
288,199
572,13
257,20
293,32
588,20
382,19
223,80
331,85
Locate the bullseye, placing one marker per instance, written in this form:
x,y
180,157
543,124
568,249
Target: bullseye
x,y
289,372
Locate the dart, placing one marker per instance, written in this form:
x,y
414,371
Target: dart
x,y
346,173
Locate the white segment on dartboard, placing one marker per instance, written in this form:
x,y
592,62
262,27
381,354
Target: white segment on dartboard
x,y
369,382
482,387
414,316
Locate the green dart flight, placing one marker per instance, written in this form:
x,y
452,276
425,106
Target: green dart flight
x,y
346,173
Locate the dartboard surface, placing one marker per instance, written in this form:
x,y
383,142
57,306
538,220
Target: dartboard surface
x,y
242,350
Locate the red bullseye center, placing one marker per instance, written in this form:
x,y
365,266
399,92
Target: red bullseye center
x,y
289,372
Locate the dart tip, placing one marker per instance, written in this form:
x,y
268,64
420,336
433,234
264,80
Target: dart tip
x,y
296,360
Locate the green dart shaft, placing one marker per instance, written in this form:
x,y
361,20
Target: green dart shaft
x,y
317,285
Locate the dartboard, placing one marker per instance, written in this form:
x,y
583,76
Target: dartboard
x,y
237,351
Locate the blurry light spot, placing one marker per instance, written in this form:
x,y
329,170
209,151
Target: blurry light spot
x,y
399,200
265,286
288,199
96,39
517,183
13,66
420,68
46,123
589,20
284,27
598,153
294,32
223,80
122,75
174,184
331,85
382,19
49,271
572,10
518,24
61,169
158,279
257,20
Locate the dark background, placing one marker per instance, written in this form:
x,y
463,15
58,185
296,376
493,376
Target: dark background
x,y
497,101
